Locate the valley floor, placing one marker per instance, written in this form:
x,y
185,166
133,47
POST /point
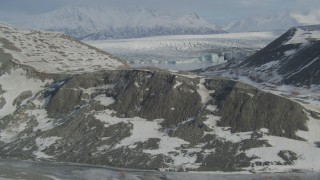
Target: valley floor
x,y
17,169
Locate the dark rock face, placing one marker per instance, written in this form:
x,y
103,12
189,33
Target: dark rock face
x,y
296,63
269,53
288,156
144,94
96,118
2,102
244,108
155,96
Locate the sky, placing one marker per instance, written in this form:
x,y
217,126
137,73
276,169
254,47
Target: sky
x,y
214,11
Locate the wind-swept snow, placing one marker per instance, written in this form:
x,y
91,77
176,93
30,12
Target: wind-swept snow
x,y
12,130
307,151
54,52
106,101
204,92
13,85
151,129
42,144
304,36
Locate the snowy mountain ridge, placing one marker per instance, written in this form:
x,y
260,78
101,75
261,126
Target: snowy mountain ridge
x,y
110,23
94,113
292,59
279,22
53,52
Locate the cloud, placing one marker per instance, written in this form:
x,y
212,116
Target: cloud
x,y
253,3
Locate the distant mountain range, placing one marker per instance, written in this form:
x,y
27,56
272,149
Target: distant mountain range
x,y
88,23
279,22
97,23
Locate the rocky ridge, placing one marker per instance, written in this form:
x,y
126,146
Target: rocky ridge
x,y
291,59
148,119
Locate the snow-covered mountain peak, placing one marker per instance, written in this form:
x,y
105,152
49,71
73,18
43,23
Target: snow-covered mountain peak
x,y
305,35
111,23
279,22
193,15
292,59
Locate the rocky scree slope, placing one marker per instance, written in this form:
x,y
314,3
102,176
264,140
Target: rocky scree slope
x,y
149,119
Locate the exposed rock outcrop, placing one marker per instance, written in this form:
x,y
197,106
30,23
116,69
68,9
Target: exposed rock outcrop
x,y
149,119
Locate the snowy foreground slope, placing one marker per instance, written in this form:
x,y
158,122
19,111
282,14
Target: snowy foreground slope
x,y
87,23
147,119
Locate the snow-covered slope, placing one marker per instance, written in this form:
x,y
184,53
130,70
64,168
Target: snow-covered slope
x,y
97,23
278,22
293,58
158,120
148,119
53,52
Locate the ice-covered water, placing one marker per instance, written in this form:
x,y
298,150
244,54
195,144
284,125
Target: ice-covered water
x,y
186,52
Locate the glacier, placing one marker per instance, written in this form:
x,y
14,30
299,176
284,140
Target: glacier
x,y
185,52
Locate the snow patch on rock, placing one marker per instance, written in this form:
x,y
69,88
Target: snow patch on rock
x,y
204,92
302,36
14,84
42,144
104,100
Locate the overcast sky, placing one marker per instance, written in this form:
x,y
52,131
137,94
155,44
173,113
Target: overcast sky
x,y
215,11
